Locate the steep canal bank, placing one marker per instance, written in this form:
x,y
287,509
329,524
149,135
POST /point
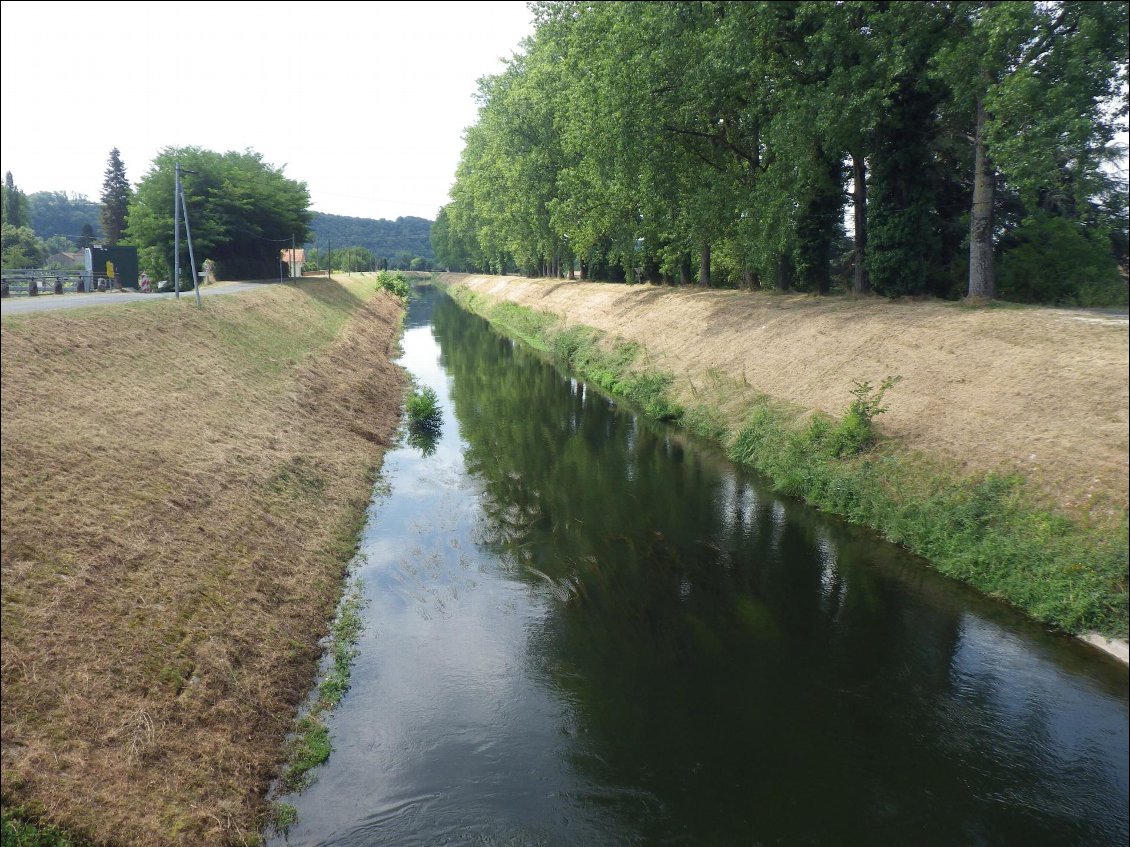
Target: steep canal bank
x,y
182,489
1002,449
582,627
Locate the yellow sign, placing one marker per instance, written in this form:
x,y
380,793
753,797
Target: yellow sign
x,y
110,270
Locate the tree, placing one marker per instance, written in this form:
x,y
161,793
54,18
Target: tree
x,y
59,244
646,136
21,248
242,211
1032,83
87,237
115,199
15,203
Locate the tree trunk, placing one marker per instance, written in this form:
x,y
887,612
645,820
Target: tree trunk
x,y
861,282
704,267
584,269
982,286
685,270
782,281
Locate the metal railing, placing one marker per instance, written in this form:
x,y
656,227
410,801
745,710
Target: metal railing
x,y
32,283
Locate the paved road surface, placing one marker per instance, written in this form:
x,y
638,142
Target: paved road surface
x,y
47,302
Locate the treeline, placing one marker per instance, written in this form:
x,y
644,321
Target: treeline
x,y
57,214
36,226
242,212
391,243
906,148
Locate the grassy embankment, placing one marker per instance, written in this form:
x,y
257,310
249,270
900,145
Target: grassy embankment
x,y
182,492
993,530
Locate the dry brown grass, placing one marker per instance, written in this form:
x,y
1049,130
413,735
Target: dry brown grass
x,y
1042,391
180,493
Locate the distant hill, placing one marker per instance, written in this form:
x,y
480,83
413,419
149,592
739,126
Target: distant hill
x,y
384,238
59,213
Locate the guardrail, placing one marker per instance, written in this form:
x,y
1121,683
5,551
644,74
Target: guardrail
x,y
32,283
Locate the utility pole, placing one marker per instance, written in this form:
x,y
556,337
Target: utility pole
x,y
191,258
329,258
292,254
176,233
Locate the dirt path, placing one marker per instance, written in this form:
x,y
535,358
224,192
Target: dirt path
x,y
1041,390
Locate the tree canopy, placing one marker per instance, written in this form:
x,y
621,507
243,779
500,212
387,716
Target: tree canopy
x,y
241,211
731,142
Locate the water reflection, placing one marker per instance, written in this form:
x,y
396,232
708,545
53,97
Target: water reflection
x,y
584,630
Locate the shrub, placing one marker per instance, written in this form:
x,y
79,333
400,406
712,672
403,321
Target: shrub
x,y
855,433
424,413
394,283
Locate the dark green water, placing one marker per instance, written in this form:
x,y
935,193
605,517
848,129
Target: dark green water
x,y
582,629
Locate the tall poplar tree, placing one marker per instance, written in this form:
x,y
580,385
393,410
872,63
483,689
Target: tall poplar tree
x,y
13,203
1032,82
115,199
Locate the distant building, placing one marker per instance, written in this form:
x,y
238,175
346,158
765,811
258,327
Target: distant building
x,y
294,258
65,260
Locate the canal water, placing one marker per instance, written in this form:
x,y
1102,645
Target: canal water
x,y
584,629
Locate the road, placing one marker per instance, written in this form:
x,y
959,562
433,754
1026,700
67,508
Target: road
x,y
49,302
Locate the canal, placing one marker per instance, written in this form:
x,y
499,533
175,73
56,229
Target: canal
x,y
583,628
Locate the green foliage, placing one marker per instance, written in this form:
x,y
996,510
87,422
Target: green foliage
x,y
19,831
311,744
281,817
725,125
393,282
424,412
987,531
383,238
59,244
343,640
14,208
68,215
115,199
21,248
309,748
1050,259
241,211
583,351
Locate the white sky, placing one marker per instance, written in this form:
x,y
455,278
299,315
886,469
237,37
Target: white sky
x,y
365,102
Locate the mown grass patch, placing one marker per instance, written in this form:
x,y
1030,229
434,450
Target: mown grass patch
x,y
990,530
184,488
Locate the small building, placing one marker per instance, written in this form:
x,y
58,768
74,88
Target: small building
x,y
294,258
116,265
66,260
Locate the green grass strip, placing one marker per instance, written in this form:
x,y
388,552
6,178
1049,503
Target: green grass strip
x,y
311,745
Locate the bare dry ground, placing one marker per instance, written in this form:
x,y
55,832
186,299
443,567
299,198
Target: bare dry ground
x,y
181,490
1042,391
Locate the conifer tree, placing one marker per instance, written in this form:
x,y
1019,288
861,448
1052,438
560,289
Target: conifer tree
x,y
115,199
